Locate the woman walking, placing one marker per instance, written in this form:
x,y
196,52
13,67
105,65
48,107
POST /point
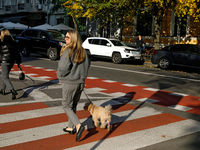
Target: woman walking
x,y
72,71
9,54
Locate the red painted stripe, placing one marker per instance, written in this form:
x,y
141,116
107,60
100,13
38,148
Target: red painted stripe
x,y
52,119
97,134
22,107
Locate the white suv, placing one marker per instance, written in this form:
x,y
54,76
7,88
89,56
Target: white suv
x,y
111,48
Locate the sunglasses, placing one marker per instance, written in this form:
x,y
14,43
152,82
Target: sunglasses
x,y
67,37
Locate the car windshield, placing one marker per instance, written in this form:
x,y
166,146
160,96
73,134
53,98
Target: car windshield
x,y
117,43
57,35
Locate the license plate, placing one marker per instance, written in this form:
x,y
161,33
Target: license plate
x,y
137,57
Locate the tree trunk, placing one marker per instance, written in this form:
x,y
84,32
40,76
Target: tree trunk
x,y
74,23
156,33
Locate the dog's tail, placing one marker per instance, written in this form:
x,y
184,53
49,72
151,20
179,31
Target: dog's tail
x,y
108,109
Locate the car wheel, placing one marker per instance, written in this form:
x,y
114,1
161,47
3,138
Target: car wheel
x,y
164,63
52,53
25,52
116,58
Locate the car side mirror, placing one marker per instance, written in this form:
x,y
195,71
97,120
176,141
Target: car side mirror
x,y
108,44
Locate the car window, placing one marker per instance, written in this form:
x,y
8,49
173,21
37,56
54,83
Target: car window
x,y
194,49
178,48
31,33
42,34
94,41
117,43
104,42
56,35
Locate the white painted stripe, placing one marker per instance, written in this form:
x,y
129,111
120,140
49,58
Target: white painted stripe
x,y
37,67
31,74
44,77
108,81
92,78
12,138
147,100
147,73
178,94
180,107
27,65
47,111
49,70
129,85
144,138
151,89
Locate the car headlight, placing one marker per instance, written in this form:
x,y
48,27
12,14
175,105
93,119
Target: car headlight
x,y
127,51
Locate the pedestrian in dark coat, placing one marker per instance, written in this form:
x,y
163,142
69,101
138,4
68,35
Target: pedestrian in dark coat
x,y
9,55
140,43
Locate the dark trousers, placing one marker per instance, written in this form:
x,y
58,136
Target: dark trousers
x,y
5,70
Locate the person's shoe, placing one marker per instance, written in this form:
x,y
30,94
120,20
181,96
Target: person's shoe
x,y
70,132
2,92
14,93
79,133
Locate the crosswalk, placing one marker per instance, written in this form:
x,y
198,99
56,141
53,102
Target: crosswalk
x,y
34,124
37,126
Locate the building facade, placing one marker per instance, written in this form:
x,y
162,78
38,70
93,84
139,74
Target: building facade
x,y
29,12
174,30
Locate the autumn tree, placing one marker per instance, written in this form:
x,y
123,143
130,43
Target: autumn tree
x,y
123,12
181,8
118,12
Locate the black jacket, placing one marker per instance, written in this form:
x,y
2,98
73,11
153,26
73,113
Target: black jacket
x,y
139,43
9,51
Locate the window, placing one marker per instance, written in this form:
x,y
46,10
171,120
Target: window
x,y
60,20
42,34
194,49
181,24
177,48
13,2
94,41
144,24
31,33
104,42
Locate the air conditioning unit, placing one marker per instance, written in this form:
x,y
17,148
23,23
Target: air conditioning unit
x,y
39,6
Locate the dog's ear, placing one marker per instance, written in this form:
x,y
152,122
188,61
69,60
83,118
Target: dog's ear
x,y
91,108
86,106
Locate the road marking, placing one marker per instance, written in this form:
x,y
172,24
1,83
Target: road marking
x,y
124,122
151,89
143,138
179,107
148,100
146,73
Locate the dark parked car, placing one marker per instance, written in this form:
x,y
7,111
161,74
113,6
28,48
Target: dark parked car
x,y
46,42
179,54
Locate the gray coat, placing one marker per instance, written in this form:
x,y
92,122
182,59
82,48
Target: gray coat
x,y
70,72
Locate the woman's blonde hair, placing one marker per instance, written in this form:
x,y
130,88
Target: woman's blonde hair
x,y
75,46
5,32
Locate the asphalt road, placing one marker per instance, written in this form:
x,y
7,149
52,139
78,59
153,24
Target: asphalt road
x,y
132,88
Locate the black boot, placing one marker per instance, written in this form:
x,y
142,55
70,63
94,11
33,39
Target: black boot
x,y
2,92
14,93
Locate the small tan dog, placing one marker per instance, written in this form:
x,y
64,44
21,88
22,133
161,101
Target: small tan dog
x,y
102,113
